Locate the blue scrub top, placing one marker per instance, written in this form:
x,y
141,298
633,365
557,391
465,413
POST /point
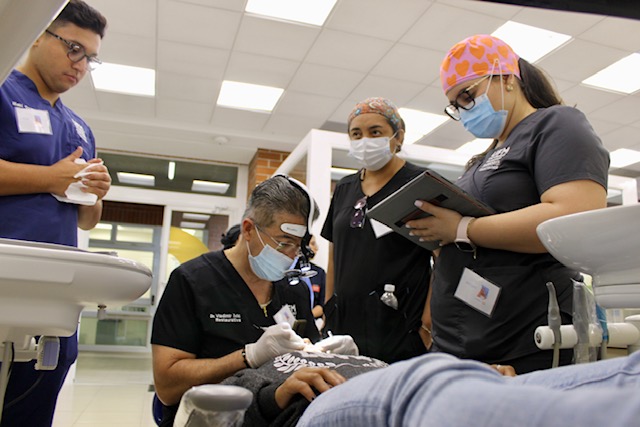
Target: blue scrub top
x,y
39,217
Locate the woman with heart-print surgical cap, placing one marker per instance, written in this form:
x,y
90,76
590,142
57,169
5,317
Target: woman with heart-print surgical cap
x,y
545,161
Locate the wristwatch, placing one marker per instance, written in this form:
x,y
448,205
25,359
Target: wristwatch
x,y
462,241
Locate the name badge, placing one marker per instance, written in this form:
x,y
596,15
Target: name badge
x,y
477,292
30,120
379,229
285,315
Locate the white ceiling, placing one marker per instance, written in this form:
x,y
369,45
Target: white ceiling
x,y
366,48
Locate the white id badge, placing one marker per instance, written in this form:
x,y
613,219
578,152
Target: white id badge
x,y
30,120
477,292
379,229
285,315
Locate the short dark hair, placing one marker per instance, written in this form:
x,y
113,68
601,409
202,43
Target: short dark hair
x,y
230,238
273,196
82,15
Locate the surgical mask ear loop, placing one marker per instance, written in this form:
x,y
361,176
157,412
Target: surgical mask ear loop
x,y
496,63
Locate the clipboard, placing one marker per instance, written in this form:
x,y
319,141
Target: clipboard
x,y
398,208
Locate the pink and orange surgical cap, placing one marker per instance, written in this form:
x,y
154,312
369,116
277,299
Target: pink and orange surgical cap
x,y
477,56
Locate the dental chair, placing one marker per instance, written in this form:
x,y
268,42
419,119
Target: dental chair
x,y
209,405
604,244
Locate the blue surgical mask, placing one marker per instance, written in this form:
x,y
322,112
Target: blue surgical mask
x,y
482,120
269,264
371,153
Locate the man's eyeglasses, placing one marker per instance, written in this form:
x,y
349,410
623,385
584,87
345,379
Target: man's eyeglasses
x,y
77,53
285,247
464,101
357,220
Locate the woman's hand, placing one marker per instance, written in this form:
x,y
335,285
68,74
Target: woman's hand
x,y
441,225
304,381
505,370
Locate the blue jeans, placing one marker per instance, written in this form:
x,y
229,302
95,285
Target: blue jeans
x,y
440,390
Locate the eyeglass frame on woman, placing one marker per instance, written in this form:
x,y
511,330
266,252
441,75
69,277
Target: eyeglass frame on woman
x,y
453,108
359,217
284,247
76,49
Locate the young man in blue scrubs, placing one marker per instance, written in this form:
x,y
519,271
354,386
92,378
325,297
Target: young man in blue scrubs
x,y
41,142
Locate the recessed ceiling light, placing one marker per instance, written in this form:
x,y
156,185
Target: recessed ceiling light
x,y
621,76
196,217
171,172
313,12
419,123
474,147
124,79
187,224
209,186
530,43
136,179
248,96
624,157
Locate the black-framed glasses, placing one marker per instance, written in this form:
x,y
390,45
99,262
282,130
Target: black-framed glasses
x,y
464,101
284,247
77,53
357,220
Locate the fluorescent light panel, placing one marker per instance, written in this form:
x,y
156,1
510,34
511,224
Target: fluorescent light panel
x,y
248,96
474,147
171,172
136,179
124,79
313,12
419,123
621,76
209,186
187,224
530,43
196,217
624,157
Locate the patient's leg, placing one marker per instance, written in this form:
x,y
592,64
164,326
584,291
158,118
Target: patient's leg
x,y
440,390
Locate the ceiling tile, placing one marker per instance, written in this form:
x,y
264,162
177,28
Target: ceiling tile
x,y
621,137
442,26
137,18
126,105
623,111
571,23
260,69
451,135
294,126
341,113
307,105
423,63
243,119
614,32
221,4
275,38
82,96
116,49
571,63
588,99
199,25
496,9
432,100
184,111
198,61
328,81
179,86
354,16
350,51
400,92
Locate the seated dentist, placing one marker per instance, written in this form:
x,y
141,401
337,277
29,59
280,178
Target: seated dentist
x,y
439,389
216,316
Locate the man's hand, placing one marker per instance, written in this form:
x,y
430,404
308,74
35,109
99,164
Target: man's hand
x,y
63,172
97,179
304,381
276,340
